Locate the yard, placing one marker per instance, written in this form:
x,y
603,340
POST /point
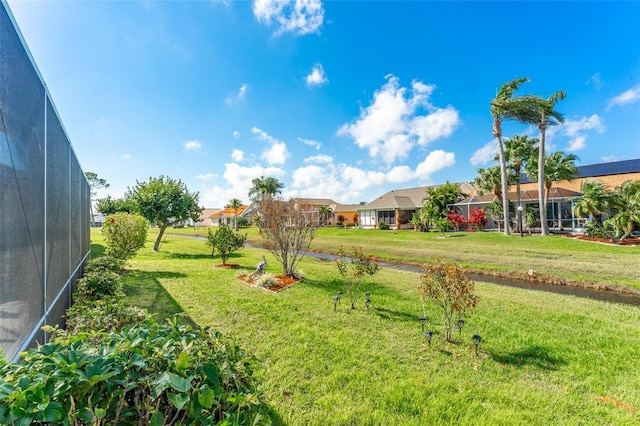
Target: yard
x,y
543,359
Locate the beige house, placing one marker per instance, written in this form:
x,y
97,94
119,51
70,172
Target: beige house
x,y
397,207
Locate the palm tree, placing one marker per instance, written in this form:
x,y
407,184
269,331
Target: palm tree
x,y
325,211
490,181
265,187
547,117
594,201
234,204
518,150
507,107
557,166
626,201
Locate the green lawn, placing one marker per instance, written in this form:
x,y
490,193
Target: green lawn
x,y
544,359
553,255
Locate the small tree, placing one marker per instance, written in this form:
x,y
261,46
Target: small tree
x,y
448,287
124,234
226,241
287,231
478,218
354,268
164,201
94,183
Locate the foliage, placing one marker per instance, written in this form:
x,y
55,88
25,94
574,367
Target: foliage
x,y
594,202
325,212
163,201
263,188
226,241
104,264
626,202
97,285
354,268
267,280
383,225
478,218
124,234
234,204
592,229
94,183
242,222
488,181
287,231
438,199
108,205
442,224
147,374
456,219
447,286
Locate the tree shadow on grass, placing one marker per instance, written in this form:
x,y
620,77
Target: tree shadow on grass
x,y
534,355
143,289
192,256
395,315
97,250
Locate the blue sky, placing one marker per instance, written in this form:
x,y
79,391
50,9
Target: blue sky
x,y
341,100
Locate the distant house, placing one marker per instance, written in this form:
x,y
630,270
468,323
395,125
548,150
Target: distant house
x,y
312,207
562,196
344,214
227,215
205,217
397,207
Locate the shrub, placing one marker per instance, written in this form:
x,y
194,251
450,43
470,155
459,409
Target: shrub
x,y
124,234
102,316
383,225
354,268
104,264
266,281
226,241
97,285
456,219
149,374
448,287
478,218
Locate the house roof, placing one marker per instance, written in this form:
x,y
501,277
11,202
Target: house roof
x,y
206,213
603,169
530,195
229,212
405,199
339,208
315,201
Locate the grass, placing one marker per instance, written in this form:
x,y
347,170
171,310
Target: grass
x,y
544,359
490,251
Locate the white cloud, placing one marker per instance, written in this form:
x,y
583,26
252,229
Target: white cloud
x,y
610,158
319,159
400,174
126,156
391,125
237,155
575,130
242,91
310,142
595,80
192,145
630,96
485,154
236,134
435,161
316,77
295,16
206,176
277,153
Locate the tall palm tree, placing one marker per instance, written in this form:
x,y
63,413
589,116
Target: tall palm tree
x,y
594,201
557,166
234,204
548,116
626,201
325,211
265,187
517,151
490,181
507,107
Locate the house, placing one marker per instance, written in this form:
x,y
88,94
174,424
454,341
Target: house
x,y
227,215
397,207
344,214
205,217
313,208
563,195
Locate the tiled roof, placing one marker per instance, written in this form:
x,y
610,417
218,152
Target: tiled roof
x,y
410,198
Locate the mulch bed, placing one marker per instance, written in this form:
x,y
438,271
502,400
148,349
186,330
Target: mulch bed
x,y
283,282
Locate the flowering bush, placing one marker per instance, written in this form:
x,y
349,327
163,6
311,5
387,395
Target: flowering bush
x,y
124,234
354,268
456,219
478,218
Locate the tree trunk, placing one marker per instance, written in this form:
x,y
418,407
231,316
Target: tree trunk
x,y
156,245
544,228
505,186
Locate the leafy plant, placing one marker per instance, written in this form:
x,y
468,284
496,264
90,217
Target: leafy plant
x,y
267,280
124,234
148,374
96,285
383,225
447,286
104,264
478,218
456,219
226,241
354,268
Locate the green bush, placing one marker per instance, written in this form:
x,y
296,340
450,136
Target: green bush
x,y
97,285
149,374
124,234
383,225
104,264
102,316
226,241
